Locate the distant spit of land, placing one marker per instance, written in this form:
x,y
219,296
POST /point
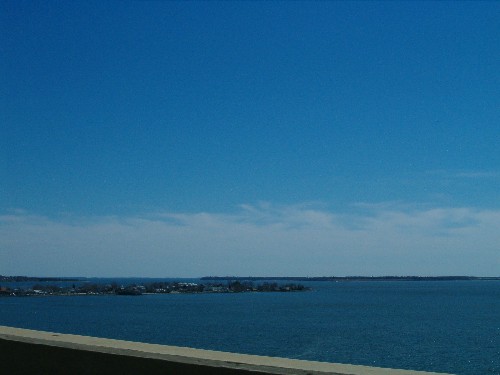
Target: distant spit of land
x,y
159,287
351,278
36,279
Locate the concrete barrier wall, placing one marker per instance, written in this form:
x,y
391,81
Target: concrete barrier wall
x,y
25,351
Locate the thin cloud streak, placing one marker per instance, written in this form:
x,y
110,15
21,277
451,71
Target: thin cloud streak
x,y
259,239
467,174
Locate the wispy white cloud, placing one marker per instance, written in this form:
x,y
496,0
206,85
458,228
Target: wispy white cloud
x,y
472,174
261,239
478,175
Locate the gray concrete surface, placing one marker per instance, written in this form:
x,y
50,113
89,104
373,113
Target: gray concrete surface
x,y
25,351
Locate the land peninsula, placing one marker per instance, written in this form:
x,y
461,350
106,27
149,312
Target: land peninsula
x,y
113,288
36,279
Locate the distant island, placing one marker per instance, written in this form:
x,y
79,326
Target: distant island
x,y
350,278
113,288
35,279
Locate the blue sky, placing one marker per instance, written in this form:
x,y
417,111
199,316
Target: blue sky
x,y
290,138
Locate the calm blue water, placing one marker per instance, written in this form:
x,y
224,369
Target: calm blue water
x,y
449,327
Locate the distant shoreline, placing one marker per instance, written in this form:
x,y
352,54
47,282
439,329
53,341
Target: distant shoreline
x,y
93,289
38,279
351,278
261,278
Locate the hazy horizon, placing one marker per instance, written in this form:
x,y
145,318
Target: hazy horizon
x,y
241,277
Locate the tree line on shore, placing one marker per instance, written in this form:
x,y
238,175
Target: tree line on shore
x,y
159,287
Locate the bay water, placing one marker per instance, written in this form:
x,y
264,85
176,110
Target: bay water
x,y
442,326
